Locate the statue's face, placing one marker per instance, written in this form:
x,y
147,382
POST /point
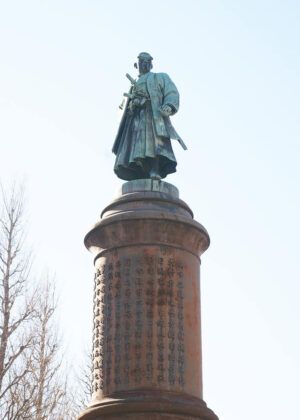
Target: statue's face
x,y
144,65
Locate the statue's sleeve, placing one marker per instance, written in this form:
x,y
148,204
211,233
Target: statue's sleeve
x,y
170,93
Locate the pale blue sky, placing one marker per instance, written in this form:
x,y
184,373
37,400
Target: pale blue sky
x,y
237,66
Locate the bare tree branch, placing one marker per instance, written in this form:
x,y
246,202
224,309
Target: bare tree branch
x,y
33,384
14,265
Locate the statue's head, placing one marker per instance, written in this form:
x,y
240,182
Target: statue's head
x,y
144,63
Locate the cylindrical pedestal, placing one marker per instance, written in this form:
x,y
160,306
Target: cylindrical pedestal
x,y
147,330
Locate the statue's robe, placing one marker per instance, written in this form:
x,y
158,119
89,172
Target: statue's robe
x,y
143,138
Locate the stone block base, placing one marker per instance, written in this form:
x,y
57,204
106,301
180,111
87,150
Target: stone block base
x,y
147,360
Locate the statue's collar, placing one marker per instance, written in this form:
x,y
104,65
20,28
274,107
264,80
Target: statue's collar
x,y
145,74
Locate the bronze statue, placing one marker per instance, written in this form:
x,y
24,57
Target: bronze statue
x,y
143,143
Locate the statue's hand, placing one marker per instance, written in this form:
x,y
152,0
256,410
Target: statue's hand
x,y
133,104
166,110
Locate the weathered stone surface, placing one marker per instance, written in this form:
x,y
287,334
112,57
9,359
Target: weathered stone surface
x,y
149,405
147,329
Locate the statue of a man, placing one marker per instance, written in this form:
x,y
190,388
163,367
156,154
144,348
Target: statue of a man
x,y
143,143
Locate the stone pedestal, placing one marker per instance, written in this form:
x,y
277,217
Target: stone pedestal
x,y
147,329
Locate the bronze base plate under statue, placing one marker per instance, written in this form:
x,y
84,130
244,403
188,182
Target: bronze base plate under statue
x,y
147,361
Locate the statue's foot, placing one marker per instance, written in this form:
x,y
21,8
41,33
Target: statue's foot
x,y
154,175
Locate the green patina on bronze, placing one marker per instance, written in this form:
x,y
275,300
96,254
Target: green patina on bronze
x,y
143,143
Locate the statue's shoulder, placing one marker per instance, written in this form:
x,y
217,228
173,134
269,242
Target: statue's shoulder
x,y
162,75
160,78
